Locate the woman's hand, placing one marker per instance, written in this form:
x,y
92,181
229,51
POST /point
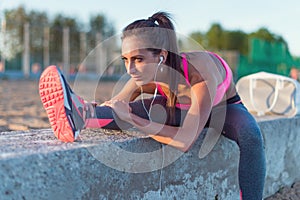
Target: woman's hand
x,y
107,103
121,108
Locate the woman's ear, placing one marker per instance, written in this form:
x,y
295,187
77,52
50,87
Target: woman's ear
x,y
164,54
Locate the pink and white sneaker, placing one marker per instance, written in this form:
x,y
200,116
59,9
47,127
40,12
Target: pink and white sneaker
x,y
64,108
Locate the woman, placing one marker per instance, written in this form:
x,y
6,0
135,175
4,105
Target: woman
x,y
195,89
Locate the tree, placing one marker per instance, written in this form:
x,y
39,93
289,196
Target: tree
x,y
200,38
11,42
235,40
38,21
12,37
264,34
214,37
56,37
99,24
15,19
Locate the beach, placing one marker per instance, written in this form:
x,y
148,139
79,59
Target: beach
x,y
20,106
21,109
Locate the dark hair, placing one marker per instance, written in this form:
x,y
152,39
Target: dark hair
x,y
160,33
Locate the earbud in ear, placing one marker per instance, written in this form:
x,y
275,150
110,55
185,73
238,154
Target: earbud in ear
x,y
161,58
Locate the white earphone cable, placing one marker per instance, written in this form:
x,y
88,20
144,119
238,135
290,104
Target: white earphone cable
x,y
149,116
161,169
154,95
150,107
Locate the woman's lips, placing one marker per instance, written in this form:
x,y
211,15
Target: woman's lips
x,y
136,77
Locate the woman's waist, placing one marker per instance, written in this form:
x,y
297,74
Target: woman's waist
x,y
185,104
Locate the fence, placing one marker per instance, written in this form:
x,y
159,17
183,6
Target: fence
x,y
266,56
36,47
39,47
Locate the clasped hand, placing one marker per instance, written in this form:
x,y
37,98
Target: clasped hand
x,y
120,107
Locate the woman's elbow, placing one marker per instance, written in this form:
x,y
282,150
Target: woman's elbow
x,y
184,148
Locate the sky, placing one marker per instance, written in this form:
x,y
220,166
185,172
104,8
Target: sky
x,y
279,17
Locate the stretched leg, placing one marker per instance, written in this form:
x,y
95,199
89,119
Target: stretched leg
x,y
241,127
106,118
65,109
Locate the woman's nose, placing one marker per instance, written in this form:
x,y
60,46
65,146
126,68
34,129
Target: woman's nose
x,y
131,68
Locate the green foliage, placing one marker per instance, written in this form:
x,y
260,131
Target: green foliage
x,y
56,34
216,38
10,36
39,22
200,38
261,50
263,33
15,17
37,18
235,40
99,23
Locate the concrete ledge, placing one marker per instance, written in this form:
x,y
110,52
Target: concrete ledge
x,y
118,165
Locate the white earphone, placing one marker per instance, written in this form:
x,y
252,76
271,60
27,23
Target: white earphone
x,y
161,59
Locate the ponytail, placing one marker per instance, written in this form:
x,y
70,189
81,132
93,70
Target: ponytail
x,y
163,20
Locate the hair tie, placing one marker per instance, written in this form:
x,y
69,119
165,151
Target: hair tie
x,y
151,19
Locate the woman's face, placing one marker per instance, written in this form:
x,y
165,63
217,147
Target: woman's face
x,y
140,63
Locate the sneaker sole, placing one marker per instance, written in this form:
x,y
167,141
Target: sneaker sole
x,y
52,97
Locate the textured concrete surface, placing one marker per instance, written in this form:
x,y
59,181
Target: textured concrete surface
x,y
34,165
282,139
126,165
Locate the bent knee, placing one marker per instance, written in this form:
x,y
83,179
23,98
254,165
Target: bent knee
x,y
251,136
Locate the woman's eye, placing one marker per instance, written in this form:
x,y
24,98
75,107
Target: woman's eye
x,y
124,60
138,59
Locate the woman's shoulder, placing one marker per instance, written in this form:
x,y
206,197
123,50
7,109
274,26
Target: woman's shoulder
x,y
196,57
200,58
205,64
196,54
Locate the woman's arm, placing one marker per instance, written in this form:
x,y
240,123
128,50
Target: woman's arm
x,y
128,93
131,91
180,137
204,78
194,122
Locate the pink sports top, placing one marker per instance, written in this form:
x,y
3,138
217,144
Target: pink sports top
x,y
221,89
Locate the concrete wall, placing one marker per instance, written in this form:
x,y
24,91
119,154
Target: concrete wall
x,y
126,165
